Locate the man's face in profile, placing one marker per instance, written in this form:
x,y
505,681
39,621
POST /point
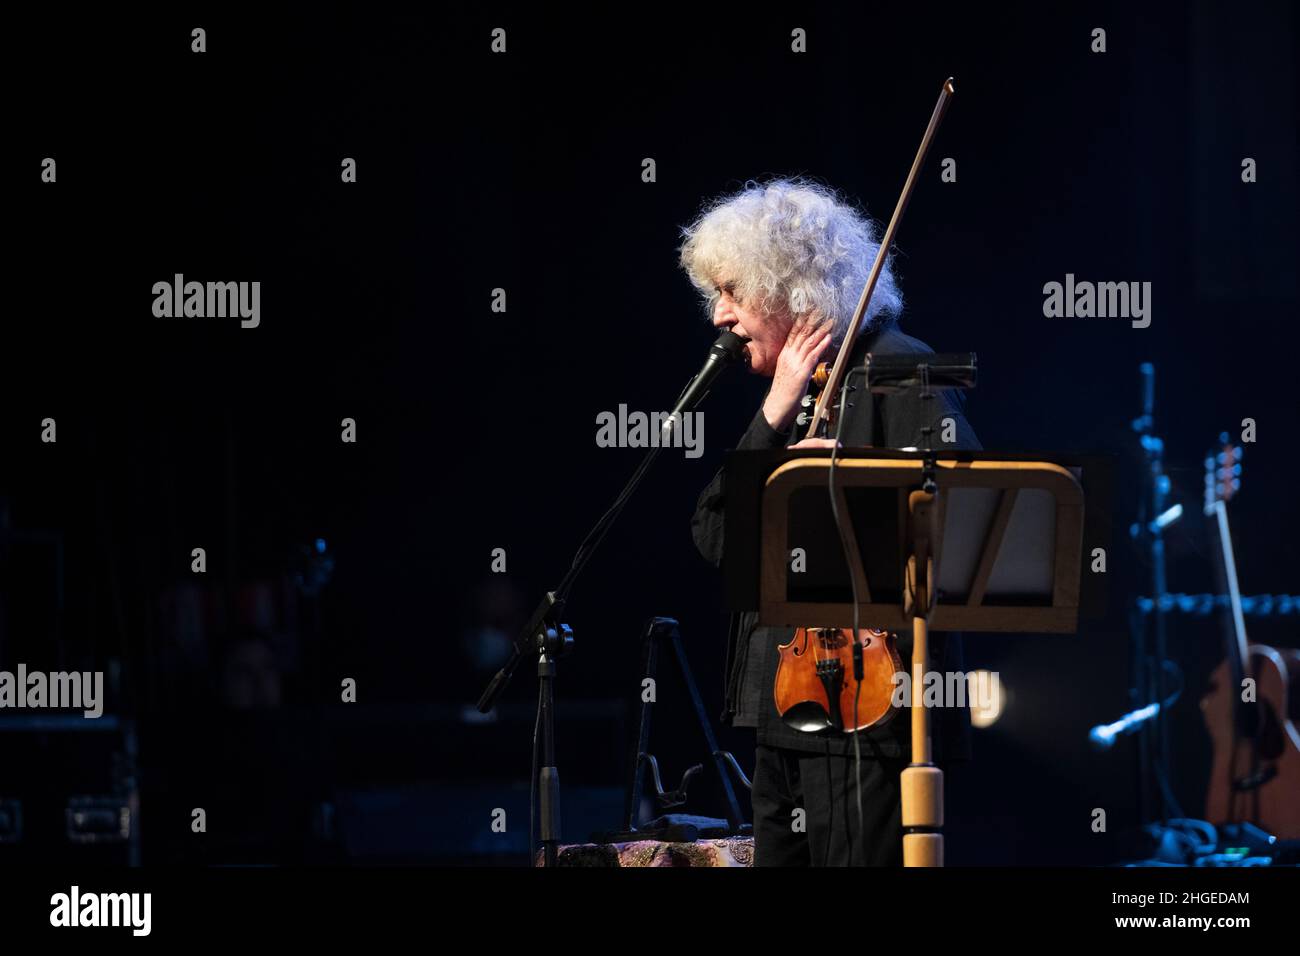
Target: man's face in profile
x,y
766,333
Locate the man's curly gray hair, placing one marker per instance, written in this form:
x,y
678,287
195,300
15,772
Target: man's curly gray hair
x,y
790,246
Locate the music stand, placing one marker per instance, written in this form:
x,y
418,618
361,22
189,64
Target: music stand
x,y
996,545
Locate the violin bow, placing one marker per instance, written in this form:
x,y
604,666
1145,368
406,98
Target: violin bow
x,y
822,409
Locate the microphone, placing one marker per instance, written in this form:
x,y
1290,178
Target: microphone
x,y
1102,737
728,349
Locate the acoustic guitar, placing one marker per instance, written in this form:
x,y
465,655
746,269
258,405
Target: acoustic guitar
x,y
1249,710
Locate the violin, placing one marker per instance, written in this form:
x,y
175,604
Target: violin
x,y
816,669
825,680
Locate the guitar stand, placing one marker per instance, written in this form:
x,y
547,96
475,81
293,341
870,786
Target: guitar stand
x,y
665,630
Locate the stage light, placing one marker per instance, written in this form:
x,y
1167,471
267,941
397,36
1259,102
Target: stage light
x,y
989,704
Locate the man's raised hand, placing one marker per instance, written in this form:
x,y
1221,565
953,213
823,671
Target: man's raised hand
x,y
808,338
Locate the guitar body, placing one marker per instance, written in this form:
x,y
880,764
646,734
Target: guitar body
x,y
815,689
1274,803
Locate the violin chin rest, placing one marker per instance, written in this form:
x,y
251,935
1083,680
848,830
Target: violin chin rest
x,y
807,717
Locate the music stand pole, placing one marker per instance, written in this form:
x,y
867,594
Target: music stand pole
x,y
921,781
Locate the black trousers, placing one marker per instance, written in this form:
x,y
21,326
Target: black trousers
x,y
827,833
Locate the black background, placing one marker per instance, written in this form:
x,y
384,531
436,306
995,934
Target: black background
x,y
476,429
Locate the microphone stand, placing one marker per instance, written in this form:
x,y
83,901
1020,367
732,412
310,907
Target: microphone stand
x,y
547,638
1149,657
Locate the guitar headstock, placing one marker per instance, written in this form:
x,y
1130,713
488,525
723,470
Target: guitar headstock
x,y
1222,472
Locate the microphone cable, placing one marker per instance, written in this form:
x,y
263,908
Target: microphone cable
x,y
853,584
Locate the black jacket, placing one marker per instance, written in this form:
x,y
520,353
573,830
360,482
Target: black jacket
x,y
883,421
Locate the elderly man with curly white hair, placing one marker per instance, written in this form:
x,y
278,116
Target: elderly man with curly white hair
x,y
783,264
